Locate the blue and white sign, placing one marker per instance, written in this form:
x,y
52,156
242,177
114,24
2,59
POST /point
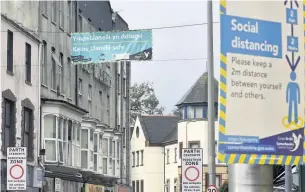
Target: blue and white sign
x,y
261,113
99,47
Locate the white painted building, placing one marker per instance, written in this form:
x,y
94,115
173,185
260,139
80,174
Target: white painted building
x,y
154,154
193,126
20,86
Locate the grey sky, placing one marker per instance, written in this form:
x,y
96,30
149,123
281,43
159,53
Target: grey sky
x,y
171,79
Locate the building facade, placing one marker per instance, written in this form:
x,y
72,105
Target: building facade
x,y
84,109
193,126
20,97
154,154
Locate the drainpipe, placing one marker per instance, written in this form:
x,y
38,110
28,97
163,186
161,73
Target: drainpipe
x,y
76,67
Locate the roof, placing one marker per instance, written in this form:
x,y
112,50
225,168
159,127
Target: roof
x,y
198,93
159,129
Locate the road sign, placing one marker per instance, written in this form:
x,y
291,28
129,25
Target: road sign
x,y
191,170
261,111
16,168
212,188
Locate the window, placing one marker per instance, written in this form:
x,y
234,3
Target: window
x,y
61,73
133,159
108,109
205,112
175,155
113,168
175,185
100,155
118,149
137,186
76,142
69,94
194,144
9,125
124,87
133,186
167,156
105,168
60,138
50,138
137,158
142,186
53,5
90,100
180,149
45,7
80,23
28,62
105,147
101,106
53,80
61,14
89,92
167,185
44,63
10,51
84,148
142,157
80,85
27,132
91,150
70,16
119,83
113,149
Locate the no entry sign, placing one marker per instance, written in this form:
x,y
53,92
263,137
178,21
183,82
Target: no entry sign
x,y
191,170
16,168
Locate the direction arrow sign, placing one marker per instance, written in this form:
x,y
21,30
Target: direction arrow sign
x,y
16,168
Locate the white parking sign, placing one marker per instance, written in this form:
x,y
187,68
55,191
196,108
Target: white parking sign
x,y
16,168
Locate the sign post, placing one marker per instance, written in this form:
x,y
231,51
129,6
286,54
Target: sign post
x,y
191,170
16,168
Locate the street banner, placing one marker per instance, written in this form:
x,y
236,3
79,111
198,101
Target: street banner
x,y
191,167
261,111
16,169
100,47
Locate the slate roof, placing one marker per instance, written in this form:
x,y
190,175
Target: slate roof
x,y
198,93
159,129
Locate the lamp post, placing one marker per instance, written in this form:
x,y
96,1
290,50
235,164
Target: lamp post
x,y
186,145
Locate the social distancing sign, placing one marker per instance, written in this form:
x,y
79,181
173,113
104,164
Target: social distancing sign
x,y
191,170
16,168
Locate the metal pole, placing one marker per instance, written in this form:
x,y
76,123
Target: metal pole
x,y
288,178
250,178
211,102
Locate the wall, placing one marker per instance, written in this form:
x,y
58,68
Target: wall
x,y
16,83
25,12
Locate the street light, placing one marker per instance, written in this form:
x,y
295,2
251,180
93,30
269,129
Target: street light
x,y
186,131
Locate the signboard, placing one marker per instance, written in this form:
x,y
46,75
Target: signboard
x,y
261,117
99,47
57,184
94,188
212,188
16,168
191,168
